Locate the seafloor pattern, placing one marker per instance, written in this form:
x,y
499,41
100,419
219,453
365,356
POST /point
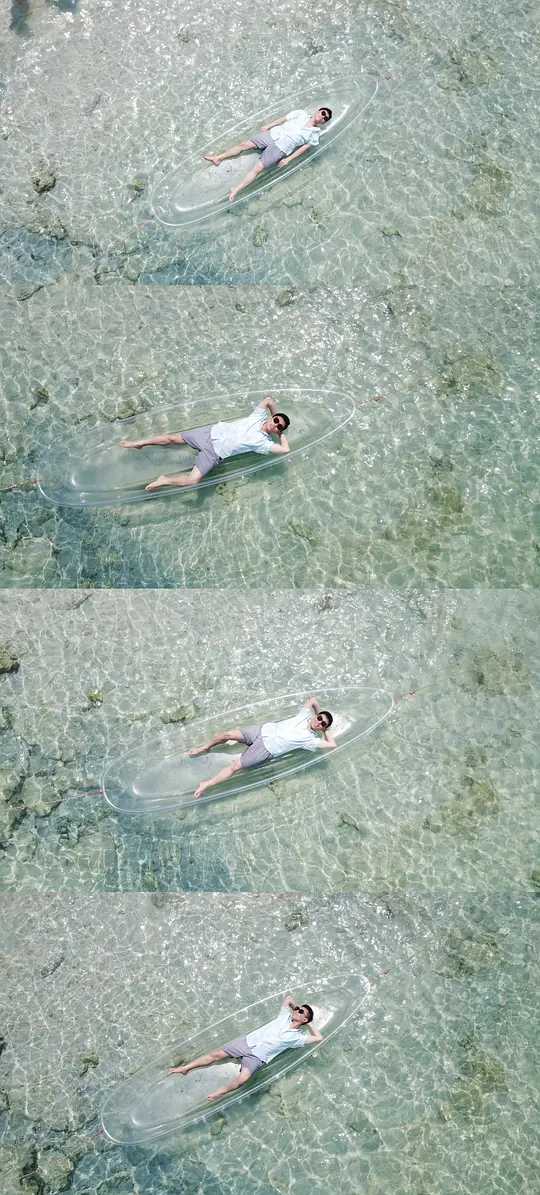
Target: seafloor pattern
x,y
442,793
400,267
432,482
431,1087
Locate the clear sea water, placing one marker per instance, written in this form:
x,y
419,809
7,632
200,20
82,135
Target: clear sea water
x,y
401,269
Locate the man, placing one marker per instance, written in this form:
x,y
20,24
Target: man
x,y
306,730
285,1032
218,441
279,143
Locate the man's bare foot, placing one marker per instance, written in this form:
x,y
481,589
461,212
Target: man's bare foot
x,y
213,158
197,751
214,1095
200,791
177,1070
156,485
131,443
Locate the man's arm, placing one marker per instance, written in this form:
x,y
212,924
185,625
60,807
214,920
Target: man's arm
x,y
270,405
297,153
281,448
314,1034
327,742
288,1002
265,128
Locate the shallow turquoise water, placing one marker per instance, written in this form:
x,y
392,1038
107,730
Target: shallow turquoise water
x,y
435,1077
442,793
401,269
401,266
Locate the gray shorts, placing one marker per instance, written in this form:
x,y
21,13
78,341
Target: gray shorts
x,y
200,439
271,154
256,751
240,1049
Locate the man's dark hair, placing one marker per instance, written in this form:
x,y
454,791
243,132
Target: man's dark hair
x,y
307,1008
327,111
328,716
286,420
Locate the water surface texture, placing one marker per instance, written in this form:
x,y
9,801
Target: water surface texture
x,y
434,480
438,173
442,793
398,268
434,1077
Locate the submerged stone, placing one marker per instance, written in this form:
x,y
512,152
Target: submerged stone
x,y
43,178
287,297
54,963
346,819
87,1062
305,532
181,713
466,374
447,499
260,236
54,1169
40,397
16,1163
40,797
9,661
370,1138
466,953
465,811
297,919
497,671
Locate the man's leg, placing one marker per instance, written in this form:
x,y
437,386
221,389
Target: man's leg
x,y
219,778
181,479
243,1077
223,736
258,169
230,153
204,1060
168,438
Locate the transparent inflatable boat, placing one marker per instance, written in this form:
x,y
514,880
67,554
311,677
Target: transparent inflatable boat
x,y
91,469
159,775
196,189
152,1104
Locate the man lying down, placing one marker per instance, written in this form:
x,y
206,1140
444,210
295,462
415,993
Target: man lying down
x,y
307,730
263,431
257,1049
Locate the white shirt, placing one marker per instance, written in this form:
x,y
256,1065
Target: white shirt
x,y
295,132
291,734
278,1035
242,435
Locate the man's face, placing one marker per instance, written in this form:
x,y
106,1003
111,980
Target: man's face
x,y
299,1015
321,116
274,426
319,723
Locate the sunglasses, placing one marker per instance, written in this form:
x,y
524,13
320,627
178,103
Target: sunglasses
x,y
323,722
278,423
298,1008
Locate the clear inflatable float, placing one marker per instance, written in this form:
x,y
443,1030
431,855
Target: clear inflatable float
x,y
195,190
159,775
91,469
152,1104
